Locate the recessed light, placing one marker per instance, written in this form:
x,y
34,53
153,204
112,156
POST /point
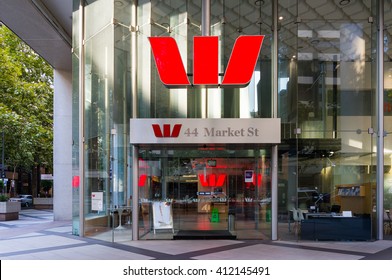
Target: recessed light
x,y
344,2
315,41
118,3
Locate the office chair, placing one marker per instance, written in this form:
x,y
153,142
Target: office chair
x,y
387,223
297,217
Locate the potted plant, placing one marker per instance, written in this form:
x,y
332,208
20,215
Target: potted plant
x,y
44,199
9,210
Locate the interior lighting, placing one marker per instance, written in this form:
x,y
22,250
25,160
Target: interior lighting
x,y
118,3
344,2
259,2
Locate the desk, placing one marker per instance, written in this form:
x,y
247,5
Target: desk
x,y
336,228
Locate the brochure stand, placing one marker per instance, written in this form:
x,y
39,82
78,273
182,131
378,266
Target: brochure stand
x,y
162,215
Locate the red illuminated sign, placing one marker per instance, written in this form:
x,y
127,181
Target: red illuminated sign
x,y
142,180
75,181
239,70
212,180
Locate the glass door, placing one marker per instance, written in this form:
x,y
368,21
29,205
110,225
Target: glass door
x,y
212,194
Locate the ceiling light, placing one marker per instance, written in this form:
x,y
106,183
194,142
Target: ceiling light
x,y
344,2
315,41
118,3
223,20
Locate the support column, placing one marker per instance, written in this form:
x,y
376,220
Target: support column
x,y
205,31
81,118
62,146
135,196
135,150
274,110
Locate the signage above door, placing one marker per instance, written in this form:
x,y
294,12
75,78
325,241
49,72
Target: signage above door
x,y
205,131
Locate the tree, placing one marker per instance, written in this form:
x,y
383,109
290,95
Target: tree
x,y
26,105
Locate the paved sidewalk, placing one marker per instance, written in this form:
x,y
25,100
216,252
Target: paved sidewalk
x,y
35,236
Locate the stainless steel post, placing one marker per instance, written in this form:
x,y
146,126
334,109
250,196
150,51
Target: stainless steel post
x,y
135,150
81,118
380,120
274,110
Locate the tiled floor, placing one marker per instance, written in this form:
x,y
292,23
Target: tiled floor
x,y
35,236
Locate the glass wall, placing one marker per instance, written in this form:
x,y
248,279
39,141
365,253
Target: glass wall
x,y
182,21
326,101
76,18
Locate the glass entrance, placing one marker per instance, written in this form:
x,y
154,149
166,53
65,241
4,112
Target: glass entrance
x,y
204,193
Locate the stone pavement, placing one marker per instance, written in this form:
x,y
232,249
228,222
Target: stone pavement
x,y
35,236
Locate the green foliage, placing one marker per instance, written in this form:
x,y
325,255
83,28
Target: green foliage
x,y
26,104
3,198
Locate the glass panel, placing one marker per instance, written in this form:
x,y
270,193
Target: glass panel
x,y
121,109
204,193
326,106
182,20
230,20
75,119
98,16
107,104
98,101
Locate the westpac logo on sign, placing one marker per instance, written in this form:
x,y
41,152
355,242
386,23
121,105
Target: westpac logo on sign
x,y
212,180
166,132
239,70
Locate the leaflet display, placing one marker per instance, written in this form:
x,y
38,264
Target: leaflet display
x,y
162,215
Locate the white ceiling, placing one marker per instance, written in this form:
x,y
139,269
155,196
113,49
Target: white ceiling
x,y
45,25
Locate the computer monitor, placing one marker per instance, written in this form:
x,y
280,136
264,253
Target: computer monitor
x,y
335,208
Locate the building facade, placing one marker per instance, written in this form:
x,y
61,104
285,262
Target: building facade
x,y
300,147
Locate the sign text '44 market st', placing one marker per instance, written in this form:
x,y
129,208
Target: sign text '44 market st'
x,y
204,131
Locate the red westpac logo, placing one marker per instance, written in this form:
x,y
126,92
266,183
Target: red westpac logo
x,y
239,70
166,131
142,180
212,180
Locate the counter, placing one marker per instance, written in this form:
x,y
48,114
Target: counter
x,y
328,227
